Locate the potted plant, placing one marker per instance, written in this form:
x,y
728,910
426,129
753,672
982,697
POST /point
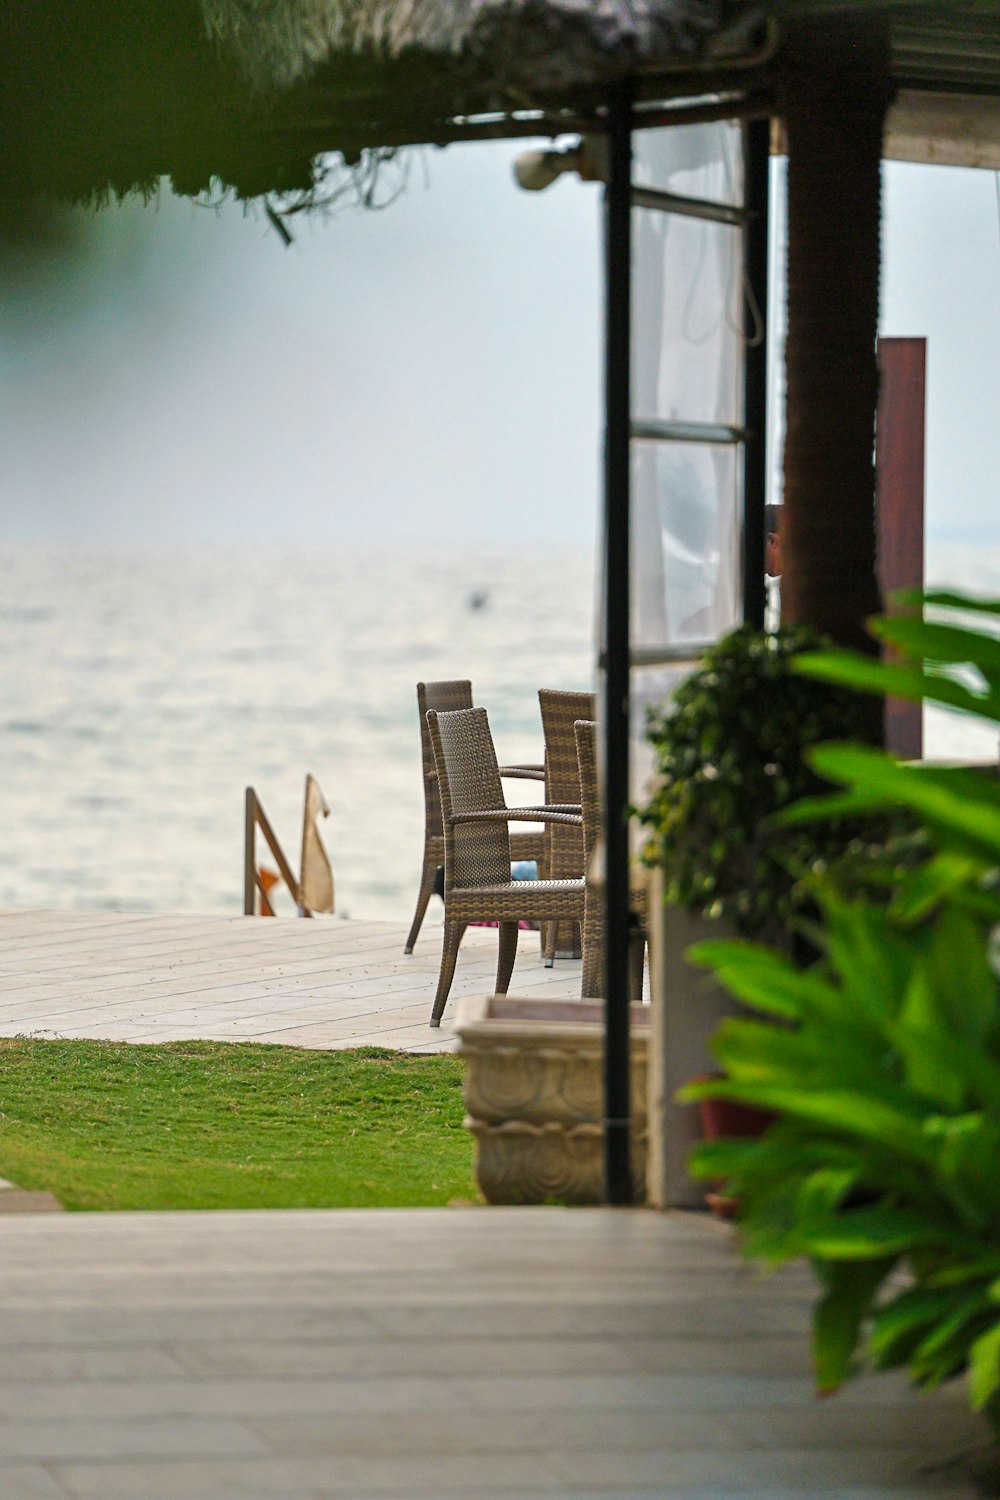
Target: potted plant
x,y
729,751
882,1172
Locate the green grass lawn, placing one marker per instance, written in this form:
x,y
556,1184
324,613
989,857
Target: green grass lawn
x,y
103,1125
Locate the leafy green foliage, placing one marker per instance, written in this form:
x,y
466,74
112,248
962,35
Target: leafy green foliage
x,y
103,1125
729,755
886,1079
882,1060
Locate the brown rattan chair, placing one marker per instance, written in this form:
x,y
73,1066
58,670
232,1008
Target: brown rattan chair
x,y
447,697
593,907
563,858
475,818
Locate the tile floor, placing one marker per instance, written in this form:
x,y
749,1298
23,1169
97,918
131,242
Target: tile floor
x,y
321,983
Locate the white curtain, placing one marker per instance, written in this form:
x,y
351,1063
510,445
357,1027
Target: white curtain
x,y
687,342
687,366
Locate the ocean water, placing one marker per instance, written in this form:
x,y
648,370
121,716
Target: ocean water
x,y
143,690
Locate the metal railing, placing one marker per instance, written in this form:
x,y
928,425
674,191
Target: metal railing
x,y
256,897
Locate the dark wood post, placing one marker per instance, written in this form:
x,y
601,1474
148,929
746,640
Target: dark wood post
x,y
836,89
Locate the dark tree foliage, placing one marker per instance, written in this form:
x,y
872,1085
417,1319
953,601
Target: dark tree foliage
x,y
102,97
730,753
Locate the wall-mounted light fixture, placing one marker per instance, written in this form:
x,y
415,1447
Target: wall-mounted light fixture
x,y
586,156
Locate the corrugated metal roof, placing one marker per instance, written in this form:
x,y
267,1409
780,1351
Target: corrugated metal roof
x,y
944,50
940,44
543,45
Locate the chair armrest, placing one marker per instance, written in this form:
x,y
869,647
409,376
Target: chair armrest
x,y
517,815
523,773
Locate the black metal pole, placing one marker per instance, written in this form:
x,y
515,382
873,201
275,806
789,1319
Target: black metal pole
x,y
757,156
618,313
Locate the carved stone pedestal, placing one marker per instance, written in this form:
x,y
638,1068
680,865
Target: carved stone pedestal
x,y
533,1096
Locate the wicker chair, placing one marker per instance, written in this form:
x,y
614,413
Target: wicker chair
x,y
563,858
447,697
477,883
593,907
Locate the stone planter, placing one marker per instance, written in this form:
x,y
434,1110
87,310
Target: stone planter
x,y
533,1096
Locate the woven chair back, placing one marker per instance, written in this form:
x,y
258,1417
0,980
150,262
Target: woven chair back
x,y
590,791
443,697
475,854
560,712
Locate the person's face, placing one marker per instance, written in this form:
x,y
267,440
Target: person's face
x,y
772,556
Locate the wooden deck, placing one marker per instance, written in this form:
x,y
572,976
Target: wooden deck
x,y
322,983
476,1354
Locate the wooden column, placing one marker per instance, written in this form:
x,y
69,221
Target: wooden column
x,y
835,94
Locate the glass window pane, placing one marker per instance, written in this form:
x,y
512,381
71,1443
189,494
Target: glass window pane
x,y
649,687
687,319
685,543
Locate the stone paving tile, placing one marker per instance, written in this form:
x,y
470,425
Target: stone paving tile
x,y
593,1319
260,1399
802,1476
313,1476
459,1358
28,1482
828,1424
784,1355
528,1390
18,1201
487,1434
54,1437
27,1363
80,1324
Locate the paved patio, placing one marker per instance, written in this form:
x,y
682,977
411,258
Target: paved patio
x,y
321,983
489,1353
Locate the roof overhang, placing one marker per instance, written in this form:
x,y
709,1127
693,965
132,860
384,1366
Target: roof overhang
x,y
103,96
947,130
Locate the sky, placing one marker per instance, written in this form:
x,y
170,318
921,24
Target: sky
x,y
430,369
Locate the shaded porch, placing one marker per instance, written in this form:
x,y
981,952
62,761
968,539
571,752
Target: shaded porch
x,y
419,1353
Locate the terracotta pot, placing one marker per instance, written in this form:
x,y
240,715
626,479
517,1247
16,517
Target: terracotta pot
x,y
724,1119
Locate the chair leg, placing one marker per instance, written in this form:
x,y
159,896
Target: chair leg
x,y
549,932
543,874
592,979
565,938
507,955
426,891
453,933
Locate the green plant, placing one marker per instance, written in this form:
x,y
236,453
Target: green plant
x,y
886,1077
886,1071
729,754
941,660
